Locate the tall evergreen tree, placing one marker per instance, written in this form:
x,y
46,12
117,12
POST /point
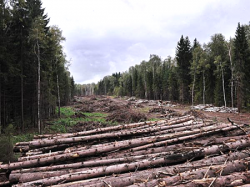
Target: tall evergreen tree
x,y
241,50
184,57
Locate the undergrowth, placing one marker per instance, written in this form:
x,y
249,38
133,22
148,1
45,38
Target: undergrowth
x,y
69,118
8,140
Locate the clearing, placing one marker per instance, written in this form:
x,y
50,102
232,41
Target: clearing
x,y
110,141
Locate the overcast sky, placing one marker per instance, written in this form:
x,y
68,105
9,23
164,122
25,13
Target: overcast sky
x,y
108,36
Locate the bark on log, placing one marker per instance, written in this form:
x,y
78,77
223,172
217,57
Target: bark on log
x,y
6,183
213,171
124,133
176,158
146,175
144,131
92,163
49,142
185,146
190,135
30,157
234,179
119,127
95,151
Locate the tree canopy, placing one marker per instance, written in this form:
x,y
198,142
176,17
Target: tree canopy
x,y
31,59
210,73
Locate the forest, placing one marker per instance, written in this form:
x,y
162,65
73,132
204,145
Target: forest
x,y
216,73
34,76
35,80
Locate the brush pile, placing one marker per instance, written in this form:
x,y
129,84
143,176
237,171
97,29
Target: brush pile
x,y
211,108
182,151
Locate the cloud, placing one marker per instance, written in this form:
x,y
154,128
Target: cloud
x,y
103,37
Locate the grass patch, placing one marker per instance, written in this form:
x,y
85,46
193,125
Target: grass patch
x,y
8,140
153,119
145,109
23,137
68,120
66,111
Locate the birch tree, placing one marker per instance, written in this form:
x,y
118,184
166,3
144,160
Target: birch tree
x,y
229,47
220,68
37,36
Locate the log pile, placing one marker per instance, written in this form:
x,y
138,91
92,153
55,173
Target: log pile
x,y
182,151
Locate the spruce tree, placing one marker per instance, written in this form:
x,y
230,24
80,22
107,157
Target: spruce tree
x,y
241,50
184,57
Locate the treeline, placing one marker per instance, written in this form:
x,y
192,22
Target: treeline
x,y
34,78
216,72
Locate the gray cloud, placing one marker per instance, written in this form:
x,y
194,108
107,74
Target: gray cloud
x,y
109,36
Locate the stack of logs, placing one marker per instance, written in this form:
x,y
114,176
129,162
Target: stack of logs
x,y
182,151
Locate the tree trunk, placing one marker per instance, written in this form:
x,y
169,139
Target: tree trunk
x,y
232,74
22,118
223,85
38,88
239,94
194,82
204,87
0,103
58,96
193,89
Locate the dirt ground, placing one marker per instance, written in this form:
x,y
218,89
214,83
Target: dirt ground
x,y
119,108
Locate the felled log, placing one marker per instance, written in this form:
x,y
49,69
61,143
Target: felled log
x,y
29,157
212,171
91,163
95,151
58,141
234,179
170,159
146,175
189,135
185,146
114,128
5,183
61,152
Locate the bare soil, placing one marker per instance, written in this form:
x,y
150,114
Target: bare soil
x,y
124,110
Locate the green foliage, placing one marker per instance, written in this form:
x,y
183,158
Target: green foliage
x,y
66,111
242,66
25,36
184,57
23,137
69,120
7,140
